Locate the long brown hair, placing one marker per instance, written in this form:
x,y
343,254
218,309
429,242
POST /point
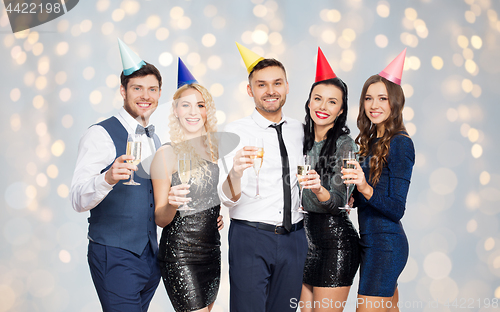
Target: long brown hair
x,y
393,125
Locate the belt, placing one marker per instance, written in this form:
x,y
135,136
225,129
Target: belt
x,y
271,228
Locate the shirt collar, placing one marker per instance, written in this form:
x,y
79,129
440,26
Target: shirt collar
x,y
129,120
262,122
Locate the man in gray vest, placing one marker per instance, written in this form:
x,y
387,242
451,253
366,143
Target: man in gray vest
x,y
122,231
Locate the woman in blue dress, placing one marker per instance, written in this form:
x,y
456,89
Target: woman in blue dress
x,y
382,181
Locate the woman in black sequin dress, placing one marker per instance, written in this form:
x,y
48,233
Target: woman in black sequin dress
x,y
333,255
189,252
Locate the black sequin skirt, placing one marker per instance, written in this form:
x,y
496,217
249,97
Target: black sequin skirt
x,y
333,255
190,260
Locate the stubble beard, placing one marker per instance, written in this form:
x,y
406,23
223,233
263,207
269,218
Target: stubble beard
x,y
262,106
142,117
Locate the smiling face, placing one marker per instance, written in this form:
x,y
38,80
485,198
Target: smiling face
x,y
325,104
269,88
376,105
140,99
191,111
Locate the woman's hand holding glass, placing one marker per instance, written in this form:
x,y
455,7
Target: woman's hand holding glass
x,y
311,181
357,177
177,195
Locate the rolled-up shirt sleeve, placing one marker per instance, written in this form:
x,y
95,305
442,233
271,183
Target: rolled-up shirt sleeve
x,y
222,178
226,163
95,152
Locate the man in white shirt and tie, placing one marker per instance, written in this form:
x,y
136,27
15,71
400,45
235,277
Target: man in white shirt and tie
x,y
267,243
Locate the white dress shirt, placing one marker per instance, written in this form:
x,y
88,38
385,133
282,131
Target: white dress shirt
x,y
269,208
95,152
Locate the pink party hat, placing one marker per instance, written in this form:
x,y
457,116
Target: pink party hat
x,y
323,69
394,71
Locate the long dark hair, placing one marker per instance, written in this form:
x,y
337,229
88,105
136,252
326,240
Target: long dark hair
x,y
393,125
326,160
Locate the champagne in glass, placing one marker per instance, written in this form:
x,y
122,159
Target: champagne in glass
x,y
348,156
302,168
346,165
134,148
184,171
257,160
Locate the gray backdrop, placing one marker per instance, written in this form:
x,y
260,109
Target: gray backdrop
x,y
62,76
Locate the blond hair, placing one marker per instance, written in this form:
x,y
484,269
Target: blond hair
x,y
178,139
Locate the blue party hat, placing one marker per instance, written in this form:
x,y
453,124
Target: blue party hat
x,y
184,76
131,61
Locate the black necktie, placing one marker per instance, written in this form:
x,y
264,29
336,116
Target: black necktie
x,y
149,130
287,193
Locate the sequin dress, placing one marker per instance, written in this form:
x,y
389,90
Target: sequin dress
x,y
333,250
384,247
189,251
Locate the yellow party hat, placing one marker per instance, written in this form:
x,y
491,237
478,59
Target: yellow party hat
x,y
249,57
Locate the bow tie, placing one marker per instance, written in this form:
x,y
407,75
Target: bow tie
x,y
149,130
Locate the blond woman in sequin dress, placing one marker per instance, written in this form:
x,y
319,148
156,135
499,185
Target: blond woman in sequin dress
x,y
189,251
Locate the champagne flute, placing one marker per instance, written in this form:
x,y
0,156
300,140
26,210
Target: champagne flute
x,y
302,168
257,160
348,156
184,171
134,147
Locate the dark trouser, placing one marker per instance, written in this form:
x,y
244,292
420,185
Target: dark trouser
x,y
125,282
265,269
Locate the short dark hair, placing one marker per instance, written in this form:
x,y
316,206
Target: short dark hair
x,y
148,69
266,63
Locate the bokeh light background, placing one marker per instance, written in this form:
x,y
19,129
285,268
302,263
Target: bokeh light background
x,y
61,77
